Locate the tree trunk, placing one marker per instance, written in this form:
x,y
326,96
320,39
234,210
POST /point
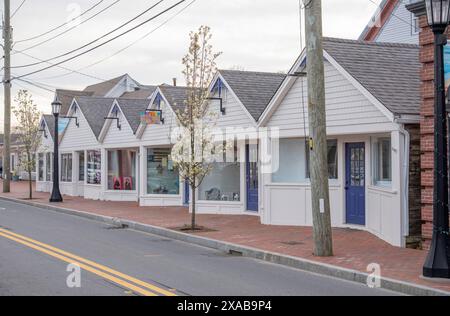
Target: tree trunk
x,y
193,223
30,182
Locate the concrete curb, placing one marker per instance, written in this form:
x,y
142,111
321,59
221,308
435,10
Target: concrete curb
x,y
290,261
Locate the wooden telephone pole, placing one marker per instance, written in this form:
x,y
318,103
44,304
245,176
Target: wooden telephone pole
x,y
323,243
7,37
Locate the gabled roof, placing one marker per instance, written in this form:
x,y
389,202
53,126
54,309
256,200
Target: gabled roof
x,y
386,8
390,72
15,139
102,88
66,97
50,122
254,89
176,96
95,110
131,109
143,92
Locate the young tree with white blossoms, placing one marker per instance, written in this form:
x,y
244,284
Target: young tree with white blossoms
x,y
196,150
28,116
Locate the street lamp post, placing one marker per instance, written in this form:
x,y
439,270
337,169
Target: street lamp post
x,y
56,194
437,263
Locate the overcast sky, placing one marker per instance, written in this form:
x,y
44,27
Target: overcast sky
x,y
260,35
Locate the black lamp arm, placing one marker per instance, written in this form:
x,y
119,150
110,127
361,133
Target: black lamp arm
x,y
72,118
115,119
222,110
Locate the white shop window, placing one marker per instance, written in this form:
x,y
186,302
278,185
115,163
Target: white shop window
x,y
294,161
40,167
163,177
49,167
66,167
94,167
122,170
382,161
223,183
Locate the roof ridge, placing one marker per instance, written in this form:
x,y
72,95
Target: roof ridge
x,y
369,43
252,72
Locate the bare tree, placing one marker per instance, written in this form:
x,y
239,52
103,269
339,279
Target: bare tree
x,y
194,152
28,116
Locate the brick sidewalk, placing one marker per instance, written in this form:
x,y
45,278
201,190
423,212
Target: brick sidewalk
x,y
353,249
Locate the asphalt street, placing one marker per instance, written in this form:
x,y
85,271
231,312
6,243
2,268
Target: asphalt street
x,y
37,245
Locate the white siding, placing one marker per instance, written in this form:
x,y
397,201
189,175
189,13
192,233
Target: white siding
x,y
235,115
398,28
346,107
160,134
119,138
78,138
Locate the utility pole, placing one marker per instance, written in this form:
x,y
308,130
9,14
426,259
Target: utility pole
x,y
7,37
323,241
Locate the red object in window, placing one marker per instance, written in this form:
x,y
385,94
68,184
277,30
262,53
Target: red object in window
x,y
117,183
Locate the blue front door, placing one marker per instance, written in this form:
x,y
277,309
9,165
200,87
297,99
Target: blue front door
x,y
355,183
252,177
187,190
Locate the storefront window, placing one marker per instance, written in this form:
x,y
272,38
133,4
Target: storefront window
x,y
382,161
66,167
81,166
294,161
94,167
162,176
223,183
49,167
41,167
122,170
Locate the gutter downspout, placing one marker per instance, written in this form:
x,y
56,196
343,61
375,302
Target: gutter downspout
x,y
405,181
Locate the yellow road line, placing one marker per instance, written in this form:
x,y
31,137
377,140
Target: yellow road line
x,y
67,255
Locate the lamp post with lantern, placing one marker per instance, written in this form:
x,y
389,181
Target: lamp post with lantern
x,y
437,262
56,194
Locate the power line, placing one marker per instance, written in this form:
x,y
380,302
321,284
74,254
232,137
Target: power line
x,y
62,25
126,47
393,14
71,28
94,41
62,67
104,43
18,8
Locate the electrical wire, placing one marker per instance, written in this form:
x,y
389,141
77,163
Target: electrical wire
x,y
126,47
18,8
71,28
62,25
94,41
104,43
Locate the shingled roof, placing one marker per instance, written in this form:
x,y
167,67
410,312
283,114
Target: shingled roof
x,y
50,121
95,110
176,96
143,92
102,88
66,97
254,89
390,72
132,108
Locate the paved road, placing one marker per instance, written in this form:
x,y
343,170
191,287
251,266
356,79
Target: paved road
x,y
37,245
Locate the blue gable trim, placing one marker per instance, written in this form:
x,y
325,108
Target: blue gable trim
x,y
218,86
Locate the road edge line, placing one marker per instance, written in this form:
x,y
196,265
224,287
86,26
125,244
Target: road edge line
x,y
272,257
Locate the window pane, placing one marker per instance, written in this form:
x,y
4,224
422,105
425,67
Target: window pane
x,y
49,166
332,160
41,167
162,176
292,162
94,167
222,183
81,166
122,170
382,161
66,168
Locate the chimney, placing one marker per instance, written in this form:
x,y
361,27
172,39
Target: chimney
x,y
174,82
